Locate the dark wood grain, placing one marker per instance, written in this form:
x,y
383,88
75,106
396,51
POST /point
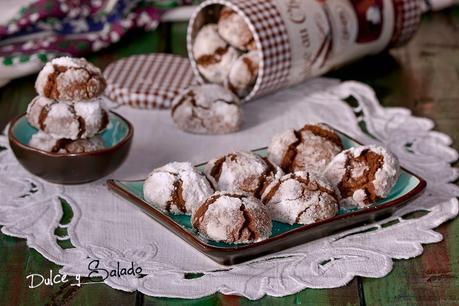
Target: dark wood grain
x,y
424,77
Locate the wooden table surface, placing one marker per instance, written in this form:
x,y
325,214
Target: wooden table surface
x,y
422,76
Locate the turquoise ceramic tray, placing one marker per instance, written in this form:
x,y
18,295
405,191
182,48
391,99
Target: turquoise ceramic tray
x,y
283,235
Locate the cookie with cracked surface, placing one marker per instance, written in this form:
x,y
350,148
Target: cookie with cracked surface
x,y
232,218
234,29
177,187
363,174
243,172
243,74
70,79
214,57
46,142
308,149
207,109
301,198
70,121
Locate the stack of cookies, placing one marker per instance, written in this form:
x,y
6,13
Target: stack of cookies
x,y
225,53
306,177
68,111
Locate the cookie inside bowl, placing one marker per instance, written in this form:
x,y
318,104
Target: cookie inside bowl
x,y
116,131
72,168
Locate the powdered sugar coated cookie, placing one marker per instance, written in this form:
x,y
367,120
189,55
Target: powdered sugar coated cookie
x,y
232,218
213,55
243,172
70,79
70,121
207,109
301,197
233,28
45,142
177,187
363,174
244,73
308,149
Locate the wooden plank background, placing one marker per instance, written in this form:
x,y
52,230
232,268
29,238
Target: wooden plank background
x,y
422,76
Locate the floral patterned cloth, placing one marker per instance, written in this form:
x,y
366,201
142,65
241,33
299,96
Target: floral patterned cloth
x,y
34,31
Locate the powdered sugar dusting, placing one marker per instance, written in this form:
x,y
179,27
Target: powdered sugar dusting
x,y
279,145
92,112
207,109
243,73
240,172
63,120
34,109
303,150
214,56
233,28
73,62
159,186
42,141
217,72
300,197
208,41
385,176
227,218
42,78
69,79
48,143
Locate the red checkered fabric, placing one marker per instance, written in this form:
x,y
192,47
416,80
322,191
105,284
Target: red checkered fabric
x,y
271,36
148,81
407,20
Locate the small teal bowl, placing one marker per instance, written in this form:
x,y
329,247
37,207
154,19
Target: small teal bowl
x,y
75,168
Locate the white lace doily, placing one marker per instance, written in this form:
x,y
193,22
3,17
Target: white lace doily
x,y
106,227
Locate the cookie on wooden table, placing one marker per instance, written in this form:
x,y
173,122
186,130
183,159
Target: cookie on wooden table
x,y
232,218
233,28
243,172
207,109
213,55
308,149
45,142
363,174
177,187
70,79
301,198
67,120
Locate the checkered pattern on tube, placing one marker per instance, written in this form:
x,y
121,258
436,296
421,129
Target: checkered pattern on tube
x,y
271,37
407,20
148,81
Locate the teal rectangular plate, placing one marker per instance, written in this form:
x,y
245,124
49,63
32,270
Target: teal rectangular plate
x,y
283,235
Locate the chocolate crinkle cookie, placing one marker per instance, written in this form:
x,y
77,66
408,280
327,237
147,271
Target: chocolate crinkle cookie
x,y
177,187
213,55
363,174
244,73
243,172
207,109
233,28
308,149
70,79
232,218
45,142
302,198
69,121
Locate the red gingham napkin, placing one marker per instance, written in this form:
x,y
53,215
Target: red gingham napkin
x,y
148,81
